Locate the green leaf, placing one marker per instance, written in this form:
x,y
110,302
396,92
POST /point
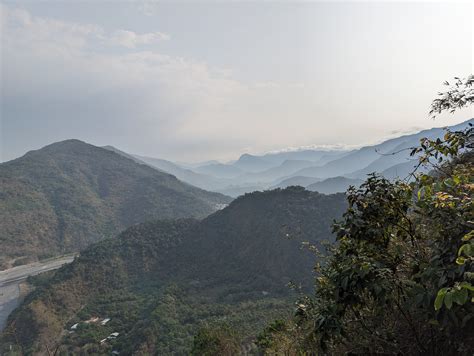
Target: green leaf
x,y
465,249
448,300
467,285
468,236
460,296
439,298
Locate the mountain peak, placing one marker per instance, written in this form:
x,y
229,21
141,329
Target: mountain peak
x,y
70,194
247,156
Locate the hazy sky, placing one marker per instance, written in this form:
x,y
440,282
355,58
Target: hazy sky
x,y
211,80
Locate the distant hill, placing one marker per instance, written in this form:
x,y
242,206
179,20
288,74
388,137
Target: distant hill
x,y
402,170
70,194
286,168
238,190
268,167
334,185
250,163
203,181
159,281
313,155
376,158
220,170
298,180
349,163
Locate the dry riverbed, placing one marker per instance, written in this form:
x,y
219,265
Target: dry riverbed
x,y
13,287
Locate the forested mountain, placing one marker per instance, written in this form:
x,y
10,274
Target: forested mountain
x,y
70,194
297,180
160,281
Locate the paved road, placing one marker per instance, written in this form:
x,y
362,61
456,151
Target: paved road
x,y
10,280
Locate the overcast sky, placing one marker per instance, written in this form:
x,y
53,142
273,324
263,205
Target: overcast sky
x,y
196,81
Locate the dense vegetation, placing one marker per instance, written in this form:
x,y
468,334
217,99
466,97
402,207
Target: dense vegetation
x,y
65,196
400,279
163,282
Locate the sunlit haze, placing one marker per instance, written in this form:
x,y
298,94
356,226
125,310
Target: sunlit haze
x,y
199,81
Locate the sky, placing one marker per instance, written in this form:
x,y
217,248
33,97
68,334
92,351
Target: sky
x,y
194,81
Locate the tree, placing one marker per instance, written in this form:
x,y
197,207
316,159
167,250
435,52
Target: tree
x,y
400,278
215,340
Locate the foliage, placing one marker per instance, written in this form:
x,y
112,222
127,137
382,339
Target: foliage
x,y
399,281
459,95
210,341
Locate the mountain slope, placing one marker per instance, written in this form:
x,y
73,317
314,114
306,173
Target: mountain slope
x,y
252,164
334,185
203,181
159,280
376,158
349,163
69,194
316,156
286,168
402,170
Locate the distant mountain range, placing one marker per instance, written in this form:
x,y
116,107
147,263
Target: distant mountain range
x,y
335,184
70,194
303,167
159,281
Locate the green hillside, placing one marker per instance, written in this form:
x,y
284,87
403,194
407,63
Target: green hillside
x,y
161,281
70,194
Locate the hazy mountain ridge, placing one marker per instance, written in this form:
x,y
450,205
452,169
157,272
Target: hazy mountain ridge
x,y
252,172
203,181
335,184
69,194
